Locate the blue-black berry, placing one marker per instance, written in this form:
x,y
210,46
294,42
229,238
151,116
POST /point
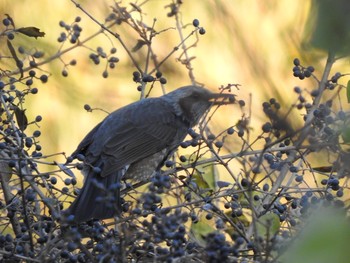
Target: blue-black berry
x,y
296,62
6,22
201,31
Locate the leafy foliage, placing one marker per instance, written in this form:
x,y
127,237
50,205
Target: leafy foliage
x,y
209,204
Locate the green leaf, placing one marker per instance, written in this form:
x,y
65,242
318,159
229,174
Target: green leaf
x,y
329,26
200,230
345,134
204,178
244,219
268,225
348,91
325,238
200,181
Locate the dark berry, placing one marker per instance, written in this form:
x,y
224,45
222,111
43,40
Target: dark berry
x,y
230,131
6,22
219,144
299,178
209,216
32,73
43,78
266,187
38,118
183,158
147,78
80,157
73,181
340,193
53,180
73,62
297,90
87,107
105,74
32,63
29,82
136,74
34,90
266,105
267,127
211,137
293,169
10,36
28,142
315,93
36,133
201,31
12,163
38,54
67,181
241,103
311,69
71,246
307,74
244,182
169,163
113,60
158,74
341,115
296,62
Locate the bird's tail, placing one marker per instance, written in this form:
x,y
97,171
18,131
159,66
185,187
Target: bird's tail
x,y
98,199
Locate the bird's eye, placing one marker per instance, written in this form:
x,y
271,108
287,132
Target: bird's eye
x,y
195,95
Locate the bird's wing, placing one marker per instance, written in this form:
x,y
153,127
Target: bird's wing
x,y
133,144
139,133
85,143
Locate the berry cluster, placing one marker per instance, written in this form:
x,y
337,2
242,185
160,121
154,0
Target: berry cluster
x,y
72,31
111,59
201,30
146,78
300,71
183,213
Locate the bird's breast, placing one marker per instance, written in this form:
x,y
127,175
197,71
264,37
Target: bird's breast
x,y
144,169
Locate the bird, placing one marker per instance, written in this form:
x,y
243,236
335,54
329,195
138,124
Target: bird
x,y
133,143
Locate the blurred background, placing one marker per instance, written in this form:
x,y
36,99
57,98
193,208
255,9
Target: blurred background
x,y
251,43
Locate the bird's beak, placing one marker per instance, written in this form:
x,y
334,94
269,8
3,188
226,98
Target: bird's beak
x,y
221,98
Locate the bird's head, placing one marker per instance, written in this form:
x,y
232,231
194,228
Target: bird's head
x,y
191,102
